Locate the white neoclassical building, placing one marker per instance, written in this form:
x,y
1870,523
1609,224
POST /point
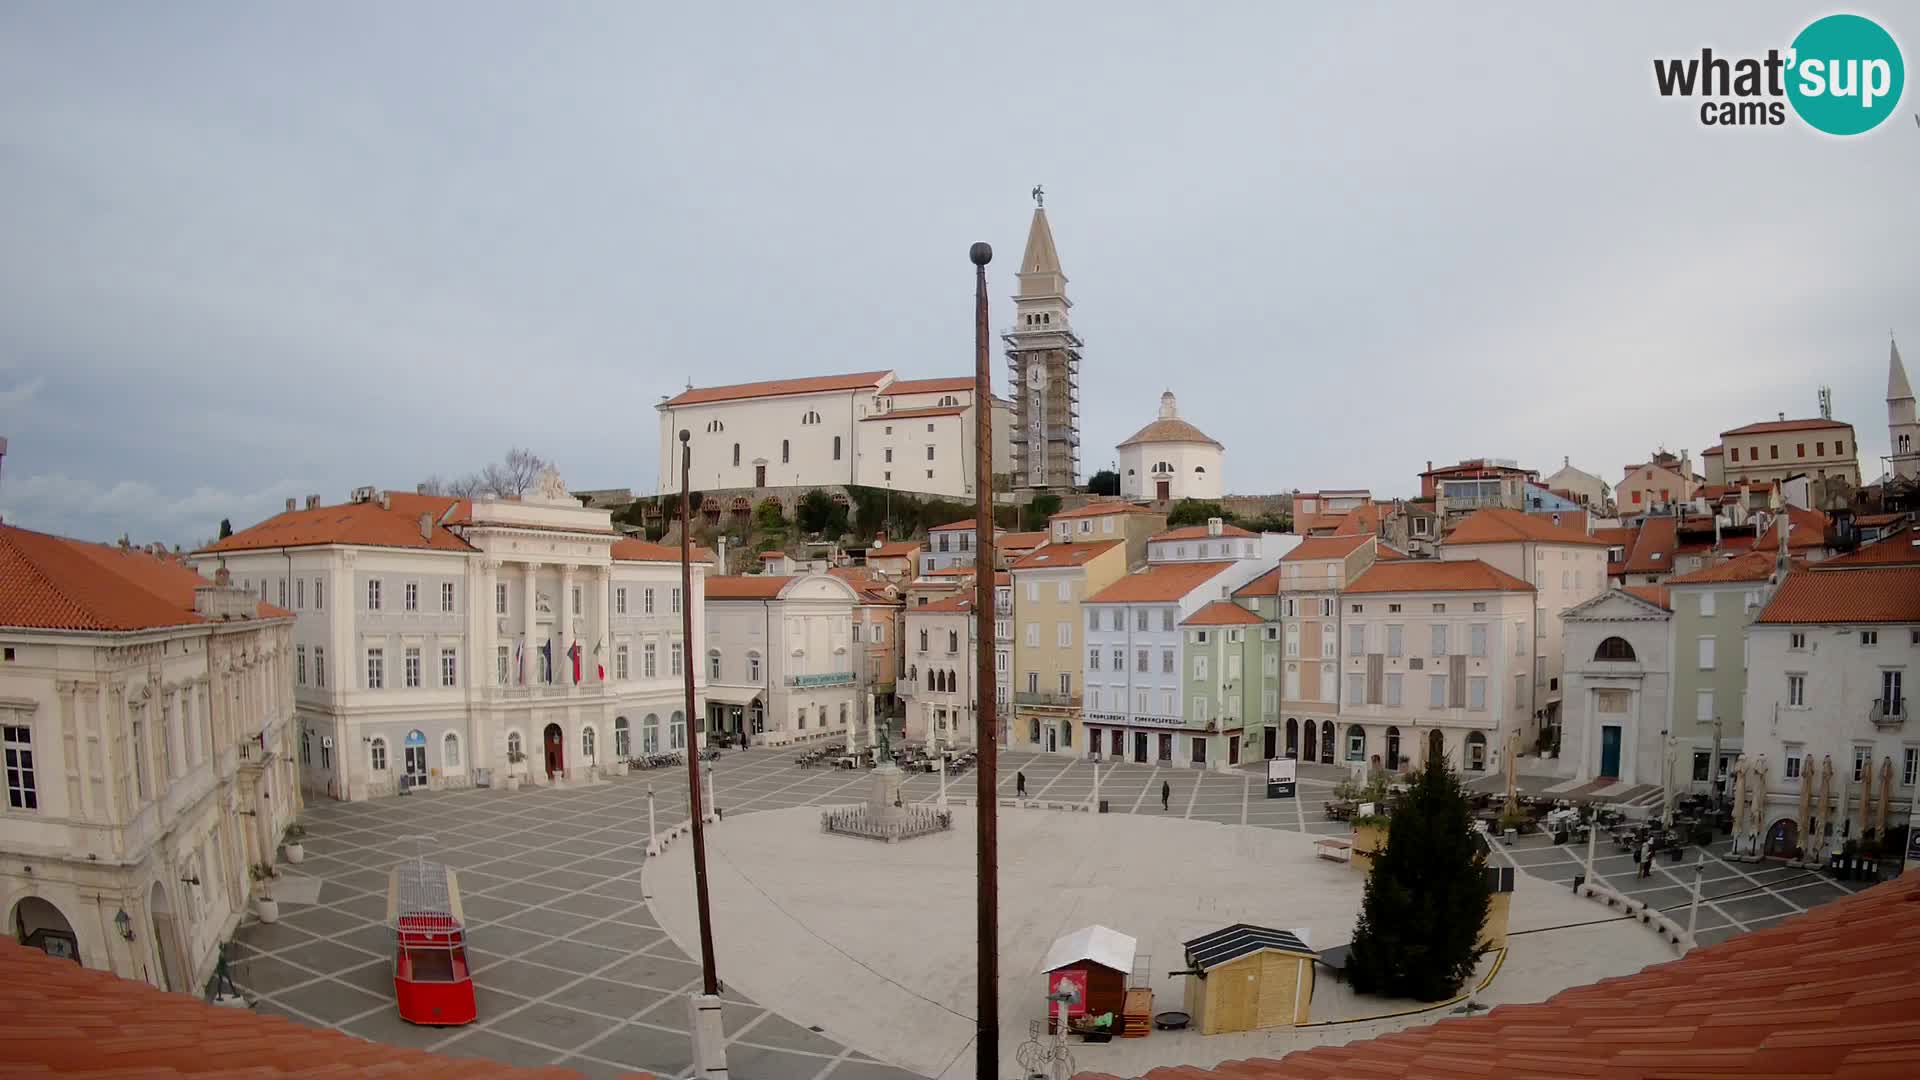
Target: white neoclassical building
x,y
147,717
869,428
780,661
438,641
1170,459
1618,685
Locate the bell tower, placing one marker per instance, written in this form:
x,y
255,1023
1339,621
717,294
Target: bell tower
x,y
1903,431
1043,366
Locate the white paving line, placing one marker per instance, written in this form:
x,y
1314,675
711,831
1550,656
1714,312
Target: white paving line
x,y
1246,789
1194,796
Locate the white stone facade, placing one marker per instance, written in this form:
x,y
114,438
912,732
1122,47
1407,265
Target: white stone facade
x,y
781,650
1618,688
1170,459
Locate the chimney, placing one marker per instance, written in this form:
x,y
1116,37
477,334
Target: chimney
x,y
385,503
419,489
1215,526
289,506
1783,416
426,526
722,554
313,502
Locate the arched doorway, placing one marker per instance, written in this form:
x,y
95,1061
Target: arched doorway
x,y
1783,839
37,924
1311,744
622,739
1436,744
1066,734
164,939
1393,749
1293,738
1326,742
414,759
556,747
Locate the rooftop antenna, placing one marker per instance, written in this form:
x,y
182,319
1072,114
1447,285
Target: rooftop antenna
x,y
1826,403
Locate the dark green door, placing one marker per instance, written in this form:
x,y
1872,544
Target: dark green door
x,y
1610,751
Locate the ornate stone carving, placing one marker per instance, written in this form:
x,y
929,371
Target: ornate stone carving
x,y
548,486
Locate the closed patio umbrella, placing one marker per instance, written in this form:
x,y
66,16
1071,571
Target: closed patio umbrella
x,y
1866,799
1804,824
1758,797
1739,799
1886,795
1840,806
1822,817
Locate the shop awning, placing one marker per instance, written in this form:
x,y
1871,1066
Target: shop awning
x,y
734,695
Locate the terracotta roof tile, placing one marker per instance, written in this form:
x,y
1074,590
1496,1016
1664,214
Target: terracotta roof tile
x,y
1498,526
1653,550
1748,1007
958,604
1752,566
859,380
1435,575
1020,540
1267,584
1170,430
1159,583
1652,594
1900,548
1101,508
1325,547
1785,425
1713,451
1199,532
363,524
1221,613
899,549
1808,529
73,1021
956,385
747,587
50,582
955,525
635,550
1389,553
914,414
1876,594
1054,556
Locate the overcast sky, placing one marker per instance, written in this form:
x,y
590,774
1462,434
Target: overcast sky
x,y
254,251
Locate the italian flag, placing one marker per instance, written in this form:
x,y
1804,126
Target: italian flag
x,y
597,665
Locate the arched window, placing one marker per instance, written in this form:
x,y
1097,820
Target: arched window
x,y
1614,648
713,663
736,455
377,754
513,745
715,426
1476,751
650,734
1293,738
843,714
1033,731
450,750
1356,743
923,639
1311,743
913,674
753,667
587,743
622,738
1199,468
836,448
786,451
677,731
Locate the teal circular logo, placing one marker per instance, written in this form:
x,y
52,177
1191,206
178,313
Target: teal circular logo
x,y
1845,75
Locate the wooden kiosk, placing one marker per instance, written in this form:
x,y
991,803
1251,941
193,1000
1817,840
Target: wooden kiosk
x,y
1092,963
1246,977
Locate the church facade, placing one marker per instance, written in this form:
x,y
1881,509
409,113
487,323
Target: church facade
x,y
1170,459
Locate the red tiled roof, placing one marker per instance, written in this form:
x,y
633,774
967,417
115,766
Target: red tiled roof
x,y
1568,519
959,384
770,556
1881,519
363,524
1159,583
899,549
1872,594
860,380
1221,613
1053,556
1325,547
632,549
67,1020
1831,993
1652,594
52,583
1102,508
1712,451
1267,584
1652,551
1752,566
958,604
1809,530
1199,532
1618,537
1497,526
911,414
950,571
1389,553
1786,425
965,524
747,587
1434,575
1900,548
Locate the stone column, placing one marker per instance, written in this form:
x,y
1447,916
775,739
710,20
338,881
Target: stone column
x,y
604,624
486,628
529,669
563,618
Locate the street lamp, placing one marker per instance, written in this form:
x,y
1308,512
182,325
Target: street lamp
x,y
123,923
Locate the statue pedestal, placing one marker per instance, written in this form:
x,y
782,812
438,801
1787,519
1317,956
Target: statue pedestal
x,y
883,799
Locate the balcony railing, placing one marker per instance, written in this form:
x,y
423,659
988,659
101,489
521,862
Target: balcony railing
x,y
1889,714
1046,697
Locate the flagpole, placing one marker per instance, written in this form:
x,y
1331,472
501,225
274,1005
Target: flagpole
x,y
709,1041
986,735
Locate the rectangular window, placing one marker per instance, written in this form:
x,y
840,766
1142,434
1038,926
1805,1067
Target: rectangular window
x,y
1862,761
713,666
449,668
283,591
1395,645
1869,638
1093,659
1703,707
373,594
1166,619
753,667
1200,714
1140,617
673,659
1706,654
446,596
1910,766
1439,609
1706,604
1439,639
1093,618
1796,691
412,593
1356,687
1477,693
1166,662
1436,691
1066,682
376,669
620,600
1800,449
1795,756
673,605
1393,689
411,657
23,791
650,662
1480,605
1033,682
1797,641
1326,608
500,598
576,600
1329,641
1063,634
1033,635
502,656
1477,638
1199,667
1357,639
1120,660
139,746
299,593
320,665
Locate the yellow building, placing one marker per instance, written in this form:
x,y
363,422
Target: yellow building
x,y
1049,584
1248,977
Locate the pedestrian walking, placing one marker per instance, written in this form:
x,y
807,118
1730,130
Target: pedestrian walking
x,y
1020,784
1166,793
1646,868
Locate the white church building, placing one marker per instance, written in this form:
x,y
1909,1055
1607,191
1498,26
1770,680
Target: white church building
x,y
1170,459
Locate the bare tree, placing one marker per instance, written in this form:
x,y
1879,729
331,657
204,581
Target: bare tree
x,y
506,479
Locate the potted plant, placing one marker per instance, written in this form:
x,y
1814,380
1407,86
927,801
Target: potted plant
x,y
514,759
296,851
264,905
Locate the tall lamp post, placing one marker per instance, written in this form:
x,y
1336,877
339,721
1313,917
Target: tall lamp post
x,y
986,802
709,1042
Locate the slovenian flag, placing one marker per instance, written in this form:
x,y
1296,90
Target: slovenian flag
x,y
546,658
520,662
573,653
